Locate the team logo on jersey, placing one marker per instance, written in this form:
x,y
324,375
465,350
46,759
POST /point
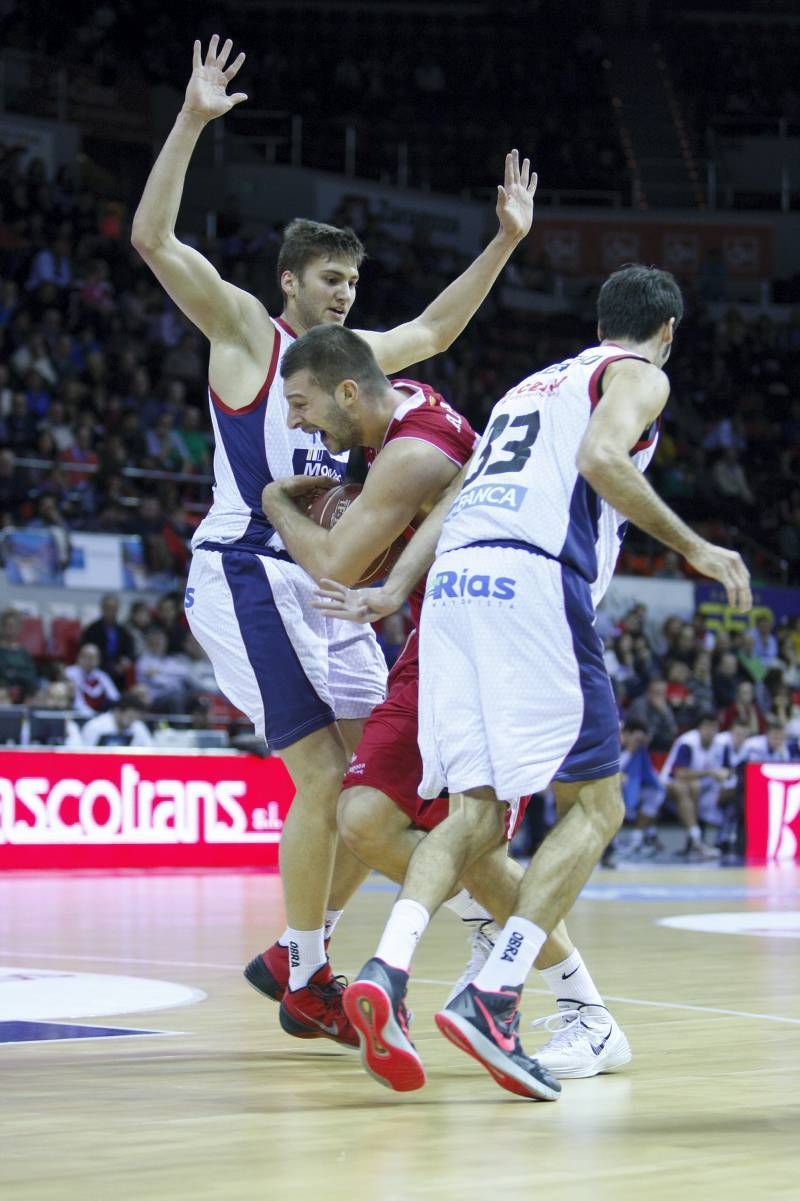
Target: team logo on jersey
x,y
498,496
317,461
451,584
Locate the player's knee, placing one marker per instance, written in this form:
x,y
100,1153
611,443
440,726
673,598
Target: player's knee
x,y
366,818
486,823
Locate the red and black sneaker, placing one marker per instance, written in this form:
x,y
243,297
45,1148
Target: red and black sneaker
x,y
315,1011
269,971
486,1026
375,1004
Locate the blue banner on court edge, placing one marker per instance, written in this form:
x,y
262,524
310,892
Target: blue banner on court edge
x,y
777,603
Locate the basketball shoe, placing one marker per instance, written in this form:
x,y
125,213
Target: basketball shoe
x,y
482,939
315,1011
375,1004
586,1041
486,1026
269,972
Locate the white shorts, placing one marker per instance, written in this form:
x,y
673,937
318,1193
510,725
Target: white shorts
x,y
290,668
513,690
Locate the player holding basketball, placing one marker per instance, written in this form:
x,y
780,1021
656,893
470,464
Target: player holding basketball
x,y
416,445
513,688
303,679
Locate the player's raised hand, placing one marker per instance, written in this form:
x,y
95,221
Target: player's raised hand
x,y
361,605
207,93
727,567
515,197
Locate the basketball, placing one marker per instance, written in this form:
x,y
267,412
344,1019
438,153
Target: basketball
x,y
326,510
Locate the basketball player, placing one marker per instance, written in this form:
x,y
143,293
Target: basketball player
x,y
302,679
513,688
416,445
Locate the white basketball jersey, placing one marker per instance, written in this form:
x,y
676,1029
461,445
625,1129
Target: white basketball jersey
x,y
688,751
252,447
524,487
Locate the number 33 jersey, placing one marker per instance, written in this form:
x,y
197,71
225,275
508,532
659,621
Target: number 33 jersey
x,y
523,485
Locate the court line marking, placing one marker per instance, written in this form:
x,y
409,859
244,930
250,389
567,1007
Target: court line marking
x,y
236,967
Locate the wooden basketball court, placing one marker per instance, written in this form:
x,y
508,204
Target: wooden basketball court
x,y
223,1105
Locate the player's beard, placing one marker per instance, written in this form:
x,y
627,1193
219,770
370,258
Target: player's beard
x,y
341,431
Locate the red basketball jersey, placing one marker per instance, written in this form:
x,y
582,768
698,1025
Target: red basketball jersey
x,y
423,414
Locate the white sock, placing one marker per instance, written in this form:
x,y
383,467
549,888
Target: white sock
x,y
517,946
636,839
331,918
306,954
407,923
570,982
695,835
467,908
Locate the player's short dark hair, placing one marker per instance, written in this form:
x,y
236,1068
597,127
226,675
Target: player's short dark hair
x,y
635,725
636,301
332,353
708,715
303,241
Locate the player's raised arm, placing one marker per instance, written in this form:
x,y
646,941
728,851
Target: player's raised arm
x,y
213,305
635,394
406,476
371,604
438,326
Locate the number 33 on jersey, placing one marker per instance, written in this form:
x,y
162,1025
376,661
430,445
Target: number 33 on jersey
x,y
524,485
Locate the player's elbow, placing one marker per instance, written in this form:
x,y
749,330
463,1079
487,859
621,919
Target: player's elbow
x,y
595,461
145,238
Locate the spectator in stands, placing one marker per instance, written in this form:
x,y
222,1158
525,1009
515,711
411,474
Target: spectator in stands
x,y
59,729
700,682
122,726
13,485
730,481
679,693
169,616
17,668
765,644
693,775
642,789
726,679
166,677
49,517
113,640
139,621
744,709
95,691
654,712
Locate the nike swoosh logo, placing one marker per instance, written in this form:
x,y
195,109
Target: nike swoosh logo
x,y
504,1041
566,975
333,1029
598,1049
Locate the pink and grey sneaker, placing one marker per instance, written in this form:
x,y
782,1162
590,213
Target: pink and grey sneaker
x,y
486,1026
375,1004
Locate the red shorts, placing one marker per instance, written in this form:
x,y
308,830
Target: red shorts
x,y
387,758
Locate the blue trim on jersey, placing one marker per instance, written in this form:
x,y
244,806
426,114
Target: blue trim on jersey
x,y
596,751
242,436
512,544
580,545
292,708
252,549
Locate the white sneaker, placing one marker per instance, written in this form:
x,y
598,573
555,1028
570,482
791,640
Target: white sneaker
x,y
585,1042
482,939
701,852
